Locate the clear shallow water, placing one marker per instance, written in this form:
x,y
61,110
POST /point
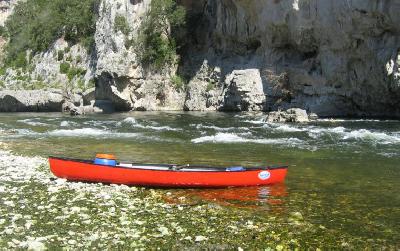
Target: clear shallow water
x,y
341,190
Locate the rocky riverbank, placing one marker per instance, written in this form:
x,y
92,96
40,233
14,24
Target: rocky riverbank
x,y
53,100
85,103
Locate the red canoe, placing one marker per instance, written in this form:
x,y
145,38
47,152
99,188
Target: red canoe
x,y
160,175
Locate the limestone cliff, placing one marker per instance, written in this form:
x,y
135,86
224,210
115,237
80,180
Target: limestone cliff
x,y
330,57
334,58
120,76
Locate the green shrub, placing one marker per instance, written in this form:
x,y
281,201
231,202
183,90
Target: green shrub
x,y
81,85
120,24
210,86
178,82
39,85
24,78
55,85
36,24
91,84
26,86
2,85
30,68
39,78
19,61
60,55
158,44
3,71
75,71
3,31
64,67
129,43
79,59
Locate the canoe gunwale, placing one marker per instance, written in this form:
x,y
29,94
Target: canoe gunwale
x,y
171,166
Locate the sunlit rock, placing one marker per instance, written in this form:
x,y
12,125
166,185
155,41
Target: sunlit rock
x,y
290,115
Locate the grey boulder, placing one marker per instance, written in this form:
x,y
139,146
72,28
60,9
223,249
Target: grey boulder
x,y
31,101
291,115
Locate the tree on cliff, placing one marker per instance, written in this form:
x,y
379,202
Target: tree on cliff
x,y
36,24
157,38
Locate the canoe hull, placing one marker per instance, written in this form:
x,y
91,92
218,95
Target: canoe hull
x,y
83,171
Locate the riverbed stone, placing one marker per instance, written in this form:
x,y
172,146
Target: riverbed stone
x,y
313,116
290,115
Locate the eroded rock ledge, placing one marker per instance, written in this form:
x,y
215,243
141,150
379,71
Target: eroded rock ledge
x,y
31,101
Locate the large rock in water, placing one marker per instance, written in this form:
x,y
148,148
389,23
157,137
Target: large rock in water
x,y
244,91
31,101
290,115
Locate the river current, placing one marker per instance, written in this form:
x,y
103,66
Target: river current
x,y
342,188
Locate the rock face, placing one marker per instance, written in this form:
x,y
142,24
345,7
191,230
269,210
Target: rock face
x,y
295,115
334,58
121,77
31,101
61,67
244,91
205,90
329,57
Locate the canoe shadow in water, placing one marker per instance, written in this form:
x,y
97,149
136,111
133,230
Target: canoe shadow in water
x,y
263,197
269,197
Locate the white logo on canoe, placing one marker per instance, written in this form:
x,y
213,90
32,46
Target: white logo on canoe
x,y
264,175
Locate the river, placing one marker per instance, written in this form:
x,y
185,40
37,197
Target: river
x,y
341,190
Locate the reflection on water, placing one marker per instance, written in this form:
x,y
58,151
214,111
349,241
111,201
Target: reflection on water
x,y
262,197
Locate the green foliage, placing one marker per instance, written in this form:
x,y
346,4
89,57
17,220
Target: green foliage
x,y
91,84
64,67
3,71
37,85
71,71
39,78
156,35
36,24
81,85
2,85
19,61
55,85
60,55
3,31
129,43
79,59
75,71
120,24
178,82
24,78
210,86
